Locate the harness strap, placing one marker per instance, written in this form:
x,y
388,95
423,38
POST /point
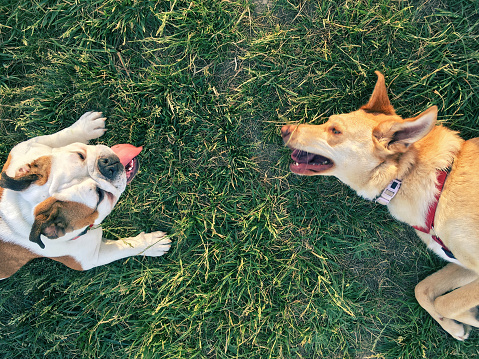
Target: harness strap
x,y
441,179
392,189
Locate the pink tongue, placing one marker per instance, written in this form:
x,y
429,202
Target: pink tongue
x,y
126,152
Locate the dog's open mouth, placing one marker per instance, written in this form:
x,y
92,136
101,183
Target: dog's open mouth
x,y
131,169
306,163
127,155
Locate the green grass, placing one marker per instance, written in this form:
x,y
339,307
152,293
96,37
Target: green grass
x,y
264,264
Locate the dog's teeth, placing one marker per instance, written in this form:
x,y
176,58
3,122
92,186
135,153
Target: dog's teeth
x,y
297,164
325,162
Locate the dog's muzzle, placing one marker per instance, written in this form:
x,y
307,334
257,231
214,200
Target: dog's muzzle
x,y
109,166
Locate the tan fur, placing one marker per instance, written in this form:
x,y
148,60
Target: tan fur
x,y
372,146
379,101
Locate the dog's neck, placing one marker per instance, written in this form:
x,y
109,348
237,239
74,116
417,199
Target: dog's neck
x,y
418,174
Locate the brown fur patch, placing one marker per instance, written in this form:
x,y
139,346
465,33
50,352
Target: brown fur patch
x,y
5,166
13,257
69,262
41,167
54,218
36,172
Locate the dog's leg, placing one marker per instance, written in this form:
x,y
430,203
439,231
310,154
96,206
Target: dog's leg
x,y
89,126
152,244
450,277
461,304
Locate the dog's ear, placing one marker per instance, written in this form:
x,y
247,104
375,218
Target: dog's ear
x,y
54,218
379,101
17,184
36,172
398,135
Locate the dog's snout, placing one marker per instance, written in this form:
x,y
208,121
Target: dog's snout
x,y
286,131
109,166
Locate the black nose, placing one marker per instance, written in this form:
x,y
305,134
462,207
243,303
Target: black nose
x,y
109,166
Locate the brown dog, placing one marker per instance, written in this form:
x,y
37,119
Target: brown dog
x,y
425,174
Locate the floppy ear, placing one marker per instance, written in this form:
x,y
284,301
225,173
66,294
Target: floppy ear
x,y
398,135
54,218
17,184
35,172
379,101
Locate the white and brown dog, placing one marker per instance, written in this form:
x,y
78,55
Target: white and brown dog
x,y
57,189
425,174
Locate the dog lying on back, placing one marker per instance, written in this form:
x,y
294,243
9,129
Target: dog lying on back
x,y
55,190
425,174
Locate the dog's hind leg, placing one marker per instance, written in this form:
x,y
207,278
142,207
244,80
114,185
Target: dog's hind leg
x,y
461,304
450,277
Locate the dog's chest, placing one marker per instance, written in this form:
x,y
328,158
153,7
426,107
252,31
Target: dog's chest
x,y
438,249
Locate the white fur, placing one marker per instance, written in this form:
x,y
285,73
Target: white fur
x,y
71,179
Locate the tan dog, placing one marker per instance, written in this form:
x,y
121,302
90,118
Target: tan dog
x,y
404,164
56,190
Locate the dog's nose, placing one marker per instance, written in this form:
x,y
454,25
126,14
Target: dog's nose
x,y
286,131
109,166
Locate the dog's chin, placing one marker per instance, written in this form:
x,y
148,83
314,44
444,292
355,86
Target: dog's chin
x,y
309,164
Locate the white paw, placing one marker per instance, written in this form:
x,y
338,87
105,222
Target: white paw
x,y
458,330
155,243
90,125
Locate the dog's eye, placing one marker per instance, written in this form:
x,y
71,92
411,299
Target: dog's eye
x,y
81,155
335,131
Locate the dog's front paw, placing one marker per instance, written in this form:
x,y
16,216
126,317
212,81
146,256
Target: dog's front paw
x,y
156,243
458,330
89,126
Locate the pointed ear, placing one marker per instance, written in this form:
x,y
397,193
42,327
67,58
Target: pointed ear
x,y
54,219
398,135
379,101
35,172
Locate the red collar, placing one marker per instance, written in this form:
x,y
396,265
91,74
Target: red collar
x,y
82,233
441,179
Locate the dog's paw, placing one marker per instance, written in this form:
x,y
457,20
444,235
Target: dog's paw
x,y
156,243
458,330
90,125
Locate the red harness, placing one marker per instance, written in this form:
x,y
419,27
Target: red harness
x,y
441,179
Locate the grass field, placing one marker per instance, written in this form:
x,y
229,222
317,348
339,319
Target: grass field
x,y
264,264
